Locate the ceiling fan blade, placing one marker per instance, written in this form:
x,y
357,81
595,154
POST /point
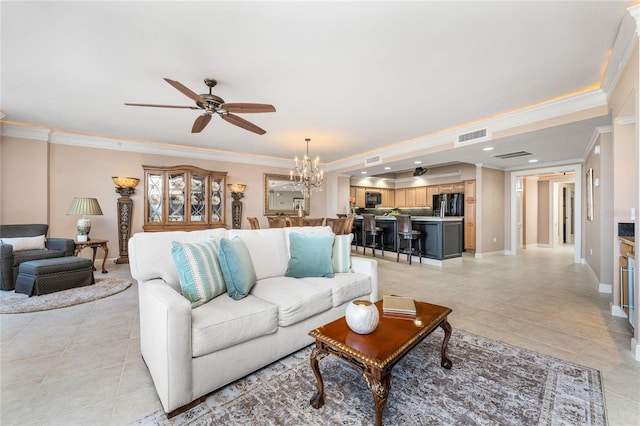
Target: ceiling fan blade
x,y
241,122
248,108
186,91
162,106
200,123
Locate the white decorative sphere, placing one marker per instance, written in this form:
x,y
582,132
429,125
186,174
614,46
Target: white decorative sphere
x,y
362,316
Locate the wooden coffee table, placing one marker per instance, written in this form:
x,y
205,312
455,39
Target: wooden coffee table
x,y
375,354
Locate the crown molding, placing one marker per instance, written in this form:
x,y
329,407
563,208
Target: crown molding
x,y
144,147
622,49
594,137
546,166
629,119
25,132
527,115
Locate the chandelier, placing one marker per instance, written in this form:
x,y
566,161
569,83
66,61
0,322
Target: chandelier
x,y
306,176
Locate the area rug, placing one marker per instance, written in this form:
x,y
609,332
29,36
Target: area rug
x,y
16,303
491,383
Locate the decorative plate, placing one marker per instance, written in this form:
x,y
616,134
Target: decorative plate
x,y
215,186
177,199
215,200
155,199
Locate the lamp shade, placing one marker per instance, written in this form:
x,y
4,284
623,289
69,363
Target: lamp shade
x,y
125,182
84,206
236,187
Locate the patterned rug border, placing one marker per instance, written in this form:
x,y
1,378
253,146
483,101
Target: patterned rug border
x,y
12,303
220,403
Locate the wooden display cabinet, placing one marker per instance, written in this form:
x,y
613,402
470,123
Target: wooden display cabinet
x,y
183,198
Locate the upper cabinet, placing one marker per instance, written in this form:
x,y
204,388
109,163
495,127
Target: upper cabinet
x,y
183,198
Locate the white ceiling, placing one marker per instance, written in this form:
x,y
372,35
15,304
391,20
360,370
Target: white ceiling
x,y
355,77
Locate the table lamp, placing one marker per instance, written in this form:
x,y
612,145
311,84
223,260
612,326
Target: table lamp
x,y
84,206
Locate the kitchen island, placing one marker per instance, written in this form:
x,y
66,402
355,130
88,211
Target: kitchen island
x,y
442,238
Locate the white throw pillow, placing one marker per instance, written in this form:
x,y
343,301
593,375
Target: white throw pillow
x,y
26,243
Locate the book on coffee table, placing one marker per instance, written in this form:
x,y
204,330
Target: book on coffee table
x,y
398,305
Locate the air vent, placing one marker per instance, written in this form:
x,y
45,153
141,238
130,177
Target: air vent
x,y
473,136
373,160
513,154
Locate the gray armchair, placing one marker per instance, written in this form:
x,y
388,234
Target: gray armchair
x,y
10,261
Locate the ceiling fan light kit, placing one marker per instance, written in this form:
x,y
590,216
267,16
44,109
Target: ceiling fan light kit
x,y
212,104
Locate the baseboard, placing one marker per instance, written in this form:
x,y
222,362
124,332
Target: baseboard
x,y
635,349
617,311
605,288
492,253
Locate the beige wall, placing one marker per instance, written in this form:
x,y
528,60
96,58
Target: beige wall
x,y
493,219
544,205
531,211
82,171
24,169
592,229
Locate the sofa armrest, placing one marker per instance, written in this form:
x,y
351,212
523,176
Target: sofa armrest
x,y
165,342
6,272
63,244
369,267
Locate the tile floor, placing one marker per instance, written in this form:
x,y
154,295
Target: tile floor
x,y
82,366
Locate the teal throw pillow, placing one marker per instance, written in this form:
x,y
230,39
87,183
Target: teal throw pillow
x,y
237,267
310,255
198,270
341,257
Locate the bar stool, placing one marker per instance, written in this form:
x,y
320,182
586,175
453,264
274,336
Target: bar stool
x,y
407,234
370,228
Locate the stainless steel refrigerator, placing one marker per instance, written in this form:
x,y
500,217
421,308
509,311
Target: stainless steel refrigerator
x,y
448,204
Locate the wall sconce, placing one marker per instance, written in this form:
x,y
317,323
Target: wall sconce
x,y
596,150
84,206
237,192
125,186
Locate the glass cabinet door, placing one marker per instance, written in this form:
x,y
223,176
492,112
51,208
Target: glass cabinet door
x,y
198,198
177,185
217,194
154,197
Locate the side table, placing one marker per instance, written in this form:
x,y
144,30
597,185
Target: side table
x,y
94,244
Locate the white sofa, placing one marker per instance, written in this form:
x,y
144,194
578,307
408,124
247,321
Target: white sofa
x,y
192,352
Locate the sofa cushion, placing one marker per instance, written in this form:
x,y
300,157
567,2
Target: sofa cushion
x,y
198,271
310,255
26,243
27,255
295,298
344,286
341,254
224,322
237,267
152,251
321,230
268,250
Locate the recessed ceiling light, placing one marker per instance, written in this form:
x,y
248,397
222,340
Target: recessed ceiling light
x,y
488,148
417,162
533,161
387,168
364,173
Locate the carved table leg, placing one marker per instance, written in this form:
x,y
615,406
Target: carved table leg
x,y
446,362
380,390
318,399
104,260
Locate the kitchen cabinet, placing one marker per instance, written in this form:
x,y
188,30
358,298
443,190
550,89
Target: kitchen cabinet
x,y
360,196
421,196
470,215
401,197
410,197
183,198
431,191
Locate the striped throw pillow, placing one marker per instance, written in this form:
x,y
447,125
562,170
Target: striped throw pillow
x,y
198,270
341,256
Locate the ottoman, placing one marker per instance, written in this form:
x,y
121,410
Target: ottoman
x,y
45,276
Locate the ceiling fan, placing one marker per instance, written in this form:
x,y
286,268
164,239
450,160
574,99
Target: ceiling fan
x,y
212,104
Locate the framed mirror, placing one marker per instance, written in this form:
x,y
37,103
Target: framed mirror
x,y
280,197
